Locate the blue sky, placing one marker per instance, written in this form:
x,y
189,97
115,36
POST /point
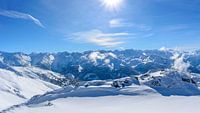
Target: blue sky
x,y
80,25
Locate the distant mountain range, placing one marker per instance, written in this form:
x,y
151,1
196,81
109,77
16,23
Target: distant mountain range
x,y
104,65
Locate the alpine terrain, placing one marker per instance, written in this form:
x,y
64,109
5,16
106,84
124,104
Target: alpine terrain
x,y
96,81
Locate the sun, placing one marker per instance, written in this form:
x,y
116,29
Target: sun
x,y
112,4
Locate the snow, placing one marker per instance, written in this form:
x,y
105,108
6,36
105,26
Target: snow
x,y
170,82
107,99
1,58
112,55
48,59
164,49
94,56
132,62
111,66
144,54
92,91
23,59
146,60
15,89
8,99
117,104
107,61
35,72
164,81
80,68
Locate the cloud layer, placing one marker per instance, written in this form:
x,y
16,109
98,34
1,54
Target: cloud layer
x,y
19,15
100,38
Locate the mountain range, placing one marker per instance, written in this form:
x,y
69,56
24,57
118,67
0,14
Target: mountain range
x,y
43,77
104,65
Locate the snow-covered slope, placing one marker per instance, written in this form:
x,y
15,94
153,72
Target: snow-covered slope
x,y
171,82
106,99
19,85
99,91
116,104
86,92
42,74
16,88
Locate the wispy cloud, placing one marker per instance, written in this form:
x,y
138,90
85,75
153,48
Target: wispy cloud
x,y
19,15
100,38
186,48
118,22
143,27
189,47
148,35
177,27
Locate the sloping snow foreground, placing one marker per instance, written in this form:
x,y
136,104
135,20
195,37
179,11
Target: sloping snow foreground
x,y
105,99
139,94
82,100
118,104
15,88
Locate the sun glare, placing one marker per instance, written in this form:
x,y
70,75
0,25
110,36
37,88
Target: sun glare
x,y
112,4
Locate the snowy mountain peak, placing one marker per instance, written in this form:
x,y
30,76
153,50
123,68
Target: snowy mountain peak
x,y
106,64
